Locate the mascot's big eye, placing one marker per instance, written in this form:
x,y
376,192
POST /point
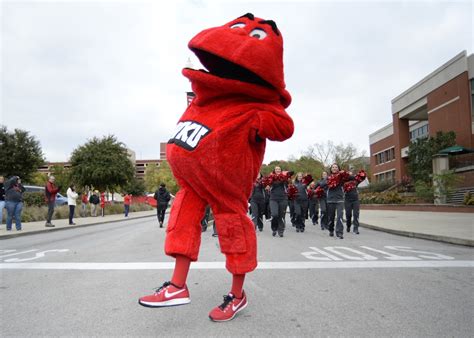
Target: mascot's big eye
x,y
238,25
258,33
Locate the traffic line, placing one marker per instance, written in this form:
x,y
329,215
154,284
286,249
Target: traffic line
x,y
221,265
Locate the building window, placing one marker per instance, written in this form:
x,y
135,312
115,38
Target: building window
x,y
420,132
385,156
388,176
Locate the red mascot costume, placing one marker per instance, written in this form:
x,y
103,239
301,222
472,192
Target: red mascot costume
x,y
217,150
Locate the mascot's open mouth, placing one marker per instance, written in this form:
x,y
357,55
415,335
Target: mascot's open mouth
x,y
228,70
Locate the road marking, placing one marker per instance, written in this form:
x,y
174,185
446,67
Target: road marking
x,y
221,265
18,253
37,255
323,254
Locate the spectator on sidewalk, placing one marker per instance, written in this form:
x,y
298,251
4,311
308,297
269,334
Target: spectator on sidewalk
x,y
127,200
84,201
14,201
50,195
102,204
94,200
162,197
71,202
2,198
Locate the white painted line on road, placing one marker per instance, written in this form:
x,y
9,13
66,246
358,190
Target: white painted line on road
x,y
18,253
221,265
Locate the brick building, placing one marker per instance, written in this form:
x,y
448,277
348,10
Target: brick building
x,y
442,101
140,165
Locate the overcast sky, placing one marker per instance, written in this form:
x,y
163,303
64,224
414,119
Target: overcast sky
x,y
75,70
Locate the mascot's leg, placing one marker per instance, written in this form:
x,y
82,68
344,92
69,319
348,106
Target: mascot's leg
x,y
237,237
182,242
183,234
239,243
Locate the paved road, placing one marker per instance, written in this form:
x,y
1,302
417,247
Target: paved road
x,y
86,282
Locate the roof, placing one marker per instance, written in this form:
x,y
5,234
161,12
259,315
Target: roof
x,y
456,150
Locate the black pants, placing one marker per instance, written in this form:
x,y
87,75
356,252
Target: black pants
x,y
324,213
268,212
71,213
352,213
257,209
301,209
314,210
161,210
332,209
278,209
291,204
49,217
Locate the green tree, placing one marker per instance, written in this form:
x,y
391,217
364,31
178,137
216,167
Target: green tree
x,y
154,176
421,151
135,187
102,163
20,154
39,179
62,176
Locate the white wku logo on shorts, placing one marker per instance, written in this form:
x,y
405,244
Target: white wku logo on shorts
x,y
188,134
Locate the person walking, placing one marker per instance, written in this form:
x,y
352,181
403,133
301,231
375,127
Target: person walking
x,y
321,192
14,201
301,200
313,205
278,181
162,197
102,203
84,201
335,199
127,201
351,201
257,203
94,201
2,198
50,192
71,202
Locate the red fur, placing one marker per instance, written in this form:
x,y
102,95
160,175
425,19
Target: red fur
x,y
222,167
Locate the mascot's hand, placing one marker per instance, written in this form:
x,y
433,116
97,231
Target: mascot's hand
x,y
274,125
254,137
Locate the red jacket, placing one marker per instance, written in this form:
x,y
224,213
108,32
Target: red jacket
x,y
84,199
50,192
127,199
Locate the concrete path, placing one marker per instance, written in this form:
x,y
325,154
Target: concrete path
x,y
449,227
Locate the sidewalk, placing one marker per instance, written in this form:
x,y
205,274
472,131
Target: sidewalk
x,y
63,224
449,227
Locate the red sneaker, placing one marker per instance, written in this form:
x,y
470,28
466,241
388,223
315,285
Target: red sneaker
x,y
167,295
227,310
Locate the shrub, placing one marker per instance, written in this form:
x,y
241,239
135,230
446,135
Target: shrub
x,y
468,199
377,186
391,197
33,213
34,199
424,191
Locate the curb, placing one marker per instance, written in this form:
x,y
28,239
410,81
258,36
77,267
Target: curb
x,y
34,232
437,238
